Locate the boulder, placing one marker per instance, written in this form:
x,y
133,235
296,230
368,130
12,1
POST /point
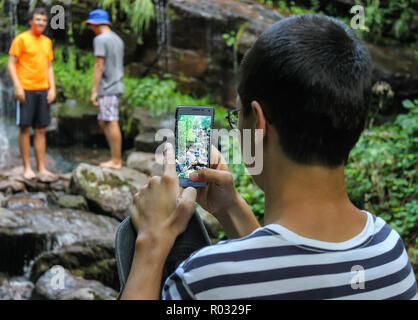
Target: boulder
x,y
144,162
397,67
3,200
145,142
72,202
11,186
107,191
59,284
23,201
190,45
92,260
27,232
16,288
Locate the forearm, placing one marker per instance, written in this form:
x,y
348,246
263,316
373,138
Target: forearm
x,y
51,78
97,75
238,220
144,279
11,67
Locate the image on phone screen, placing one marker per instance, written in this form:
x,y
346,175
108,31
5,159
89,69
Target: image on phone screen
x,y
192,146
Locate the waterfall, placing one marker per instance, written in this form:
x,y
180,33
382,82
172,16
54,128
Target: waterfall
x,y
8,131
163,32
13,18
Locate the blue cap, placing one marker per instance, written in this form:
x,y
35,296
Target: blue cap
x,y
98,16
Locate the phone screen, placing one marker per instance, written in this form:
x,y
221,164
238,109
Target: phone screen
x,y
192,146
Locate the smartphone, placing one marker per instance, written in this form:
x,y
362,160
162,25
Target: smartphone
x,y
192,136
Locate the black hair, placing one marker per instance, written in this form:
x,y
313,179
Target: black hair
x,y
40,11
312,77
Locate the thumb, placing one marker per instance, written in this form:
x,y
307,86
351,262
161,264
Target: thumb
x,y
212,175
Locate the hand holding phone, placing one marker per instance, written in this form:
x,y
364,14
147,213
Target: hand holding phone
x,y
193,130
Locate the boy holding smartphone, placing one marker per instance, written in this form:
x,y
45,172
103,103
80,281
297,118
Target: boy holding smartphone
x,y
305,83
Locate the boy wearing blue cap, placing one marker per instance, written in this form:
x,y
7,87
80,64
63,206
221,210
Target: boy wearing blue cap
x,y
107,86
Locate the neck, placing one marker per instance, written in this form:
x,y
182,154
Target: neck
x,y
310,200
104,28
35,33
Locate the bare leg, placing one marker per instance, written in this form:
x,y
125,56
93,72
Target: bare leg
x,y
24,144
39,144
114,139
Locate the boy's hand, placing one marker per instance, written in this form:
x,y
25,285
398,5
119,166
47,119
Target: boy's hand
x,y
51,95
161,208
220,193
20,94
93,99
221,198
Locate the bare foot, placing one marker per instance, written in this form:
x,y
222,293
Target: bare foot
x,y
111,164
46,173
29,174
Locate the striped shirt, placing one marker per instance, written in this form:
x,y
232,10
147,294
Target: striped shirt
x,y
276,263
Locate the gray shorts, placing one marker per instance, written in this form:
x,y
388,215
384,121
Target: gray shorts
x,y
109,107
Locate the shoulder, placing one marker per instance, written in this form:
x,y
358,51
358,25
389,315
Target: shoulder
x,y
211,262
99,38
22,36
235,250
47,40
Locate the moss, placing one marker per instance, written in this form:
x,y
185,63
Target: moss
x,y
173,15
92,185
92,270
78,273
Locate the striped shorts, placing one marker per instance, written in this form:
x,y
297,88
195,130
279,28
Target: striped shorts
x,y
109,107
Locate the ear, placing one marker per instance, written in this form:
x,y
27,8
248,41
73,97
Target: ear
x,y
260,119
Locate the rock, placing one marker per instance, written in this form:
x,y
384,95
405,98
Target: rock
x,y
148,123
10,186
16,288
61,185
92,260
144,162
25,233
211,223
46,178
3,200
191,47
399,68
107,191
76,123
73,202
146,142
50,287
25,201
8,220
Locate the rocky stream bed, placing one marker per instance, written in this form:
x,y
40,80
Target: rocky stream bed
x,y
63,229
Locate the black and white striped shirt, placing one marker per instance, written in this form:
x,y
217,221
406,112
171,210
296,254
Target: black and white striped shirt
x,y
276,263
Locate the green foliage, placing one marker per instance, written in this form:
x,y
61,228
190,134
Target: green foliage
x,y
381,175
160,96
73,82
140,13
245,185
396,16
3,60
386,22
